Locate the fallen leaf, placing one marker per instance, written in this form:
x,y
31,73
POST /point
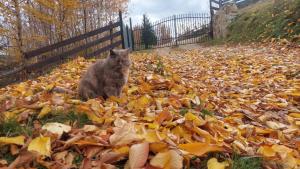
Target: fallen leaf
x,y
138,155
57,128
19,140
169,159
214,164
266,151
200,149
45,110
42,145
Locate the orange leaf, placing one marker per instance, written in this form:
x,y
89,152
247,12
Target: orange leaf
x,y
200,149
162,116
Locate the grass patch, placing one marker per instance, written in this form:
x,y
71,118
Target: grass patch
x,y
267,20
237,161
78,160
246,162
72,118
183,111
13,128
206,112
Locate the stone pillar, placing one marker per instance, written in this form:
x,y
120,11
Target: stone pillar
x,y
222,19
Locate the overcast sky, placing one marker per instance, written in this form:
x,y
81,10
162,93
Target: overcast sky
x,y
157,9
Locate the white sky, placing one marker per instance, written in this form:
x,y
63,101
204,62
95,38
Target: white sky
x,y
158,9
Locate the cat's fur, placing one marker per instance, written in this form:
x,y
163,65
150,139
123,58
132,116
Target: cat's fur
x,y
106,77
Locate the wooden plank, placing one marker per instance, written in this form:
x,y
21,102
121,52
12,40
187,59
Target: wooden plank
x,y
104,49
12,72
69,41
10,80
55,59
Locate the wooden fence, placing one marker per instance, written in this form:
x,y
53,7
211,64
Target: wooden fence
x,y
109,36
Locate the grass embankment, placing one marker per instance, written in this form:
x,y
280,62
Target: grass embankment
x,y
266,20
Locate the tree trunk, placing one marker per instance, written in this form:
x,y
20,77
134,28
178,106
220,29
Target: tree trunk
x,y
19,36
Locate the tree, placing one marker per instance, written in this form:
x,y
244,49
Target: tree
x,y
148,35
30,24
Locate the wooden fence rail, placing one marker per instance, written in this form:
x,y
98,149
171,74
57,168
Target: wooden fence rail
x,y
113,38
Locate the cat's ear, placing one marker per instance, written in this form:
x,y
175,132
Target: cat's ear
x,y
127,51
113,53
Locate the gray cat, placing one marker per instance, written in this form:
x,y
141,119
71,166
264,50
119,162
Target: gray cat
x,y
106,77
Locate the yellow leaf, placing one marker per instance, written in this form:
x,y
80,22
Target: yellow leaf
x,y
167,160
92,116
122,150
208,137
214,164
132,90
266,151
198,121
200,149
42,145
282,150
160,160
295,115
46,110
49,87
181,132
158,147
153,126
140,103
19,140
290,162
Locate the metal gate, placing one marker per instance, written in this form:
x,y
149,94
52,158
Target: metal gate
x,y
171,31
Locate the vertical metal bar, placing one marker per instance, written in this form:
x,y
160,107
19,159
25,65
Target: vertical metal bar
x,y
122,29
175,28
187,27
132,34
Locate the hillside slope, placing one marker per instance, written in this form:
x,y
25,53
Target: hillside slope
x,y
267,19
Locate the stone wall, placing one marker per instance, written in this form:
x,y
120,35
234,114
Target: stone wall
x,y
222,19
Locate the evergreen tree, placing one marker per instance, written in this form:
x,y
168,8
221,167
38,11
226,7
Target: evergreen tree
x,y
148,35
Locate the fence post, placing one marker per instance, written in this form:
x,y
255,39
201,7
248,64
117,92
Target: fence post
x,y
132,35
122,29
175,27
128,37
111,31
211,18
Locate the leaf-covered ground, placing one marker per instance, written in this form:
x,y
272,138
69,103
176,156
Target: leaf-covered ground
x,y
213,107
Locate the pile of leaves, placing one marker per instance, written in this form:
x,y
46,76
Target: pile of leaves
x,y
215,108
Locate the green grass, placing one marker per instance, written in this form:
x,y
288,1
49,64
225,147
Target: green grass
x,y
246,162
237,161
72,118
78,160
267,20
207,113
5,154
12,127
